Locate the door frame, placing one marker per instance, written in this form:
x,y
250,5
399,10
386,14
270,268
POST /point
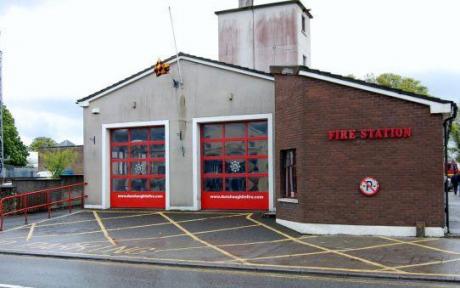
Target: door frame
x,y
105,163
197,153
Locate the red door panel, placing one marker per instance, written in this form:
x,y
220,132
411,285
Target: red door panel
x,y
138,174
234,165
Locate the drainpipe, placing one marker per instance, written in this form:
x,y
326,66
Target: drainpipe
x,y
447,127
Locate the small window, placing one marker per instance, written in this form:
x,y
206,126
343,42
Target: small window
x,y
303,23
288,174
304,60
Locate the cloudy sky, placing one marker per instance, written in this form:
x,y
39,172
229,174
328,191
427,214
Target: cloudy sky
x,y
56,51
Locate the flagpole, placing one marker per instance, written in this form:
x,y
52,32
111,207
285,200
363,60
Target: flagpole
x,y
175,46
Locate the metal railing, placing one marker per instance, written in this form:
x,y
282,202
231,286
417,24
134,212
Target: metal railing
x,y
50,198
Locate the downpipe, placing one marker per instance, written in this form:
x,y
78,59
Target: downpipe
x,y
447,124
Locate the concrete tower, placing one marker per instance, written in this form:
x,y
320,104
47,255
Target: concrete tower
x,y
263,35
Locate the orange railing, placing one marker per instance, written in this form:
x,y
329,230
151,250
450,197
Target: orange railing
x,y
36,200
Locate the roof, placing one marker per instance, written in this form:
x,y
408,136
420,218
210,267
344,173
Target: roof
x,y
65,143
184,56
363,85
297,2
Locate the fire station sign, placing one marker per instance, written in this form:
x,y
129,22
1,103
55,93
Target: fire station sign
x,y
377,134
369,186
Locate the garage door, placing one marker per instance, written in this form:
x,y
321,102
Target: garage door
x,y
138,173
234,165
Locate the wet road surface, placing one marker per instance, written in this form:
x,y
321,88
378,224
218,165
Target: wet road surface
x,y
27,271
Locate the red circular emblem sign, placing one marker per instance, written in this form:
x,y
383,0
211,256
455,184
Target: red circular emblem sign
x,y
369,186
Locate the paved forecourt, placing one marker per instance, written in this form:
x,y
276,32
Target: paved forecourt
x,y
228,239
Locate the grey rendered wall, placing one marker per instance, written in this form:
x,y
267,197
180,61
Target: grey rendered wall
x,y
205,93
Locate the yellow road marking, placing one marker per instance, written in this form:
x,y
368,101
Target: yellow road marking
x,y
420,245
232,245
322,248
131,239
93,220
254,243
428,263
140,239
339,250
288,255
169,223
226,229
133,227
101,225
180,249
114,211
383,245
191,235
205,212
31,232
41,221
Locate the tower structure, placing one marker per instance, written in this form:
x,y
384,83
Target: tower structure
x,y
260,36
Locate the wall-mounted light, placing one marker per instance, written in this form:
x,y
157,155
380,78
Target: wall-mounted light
x,y
134,105
93,139
95,110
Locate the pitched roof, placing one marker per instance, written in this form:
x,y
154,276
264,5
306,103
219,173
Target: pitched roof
x,y
65,143
172,59
360,84
297,2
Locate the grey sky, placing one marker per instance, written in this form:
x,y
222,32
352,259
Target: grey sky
x,y
58,51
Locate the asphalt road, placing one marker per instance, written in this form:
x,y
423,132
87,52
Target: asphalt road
x,y
28,271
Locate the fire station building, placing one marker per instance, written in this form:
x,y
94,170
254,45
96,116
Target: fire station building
x,y
329,154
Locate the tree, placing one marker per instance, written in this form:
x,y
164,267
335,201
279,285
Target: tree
x,y
41,142
398,82
56,162
454,145
15,152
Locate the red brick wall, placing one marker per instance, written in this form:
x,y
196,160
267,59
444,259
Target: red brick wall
x,y
410,170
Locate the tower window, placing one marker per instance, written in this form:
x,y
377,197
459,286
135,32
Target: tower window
x,y
303,23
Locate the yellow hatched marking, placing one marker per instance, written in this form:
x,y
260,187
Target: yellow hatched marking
x,y
93,220
340,250
194,237
42,221
254,243
413,243
129,227
226,229
101,225
302,254
289,255
168,223
204,212
181,249
232,245
322,248
31,232
428,263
